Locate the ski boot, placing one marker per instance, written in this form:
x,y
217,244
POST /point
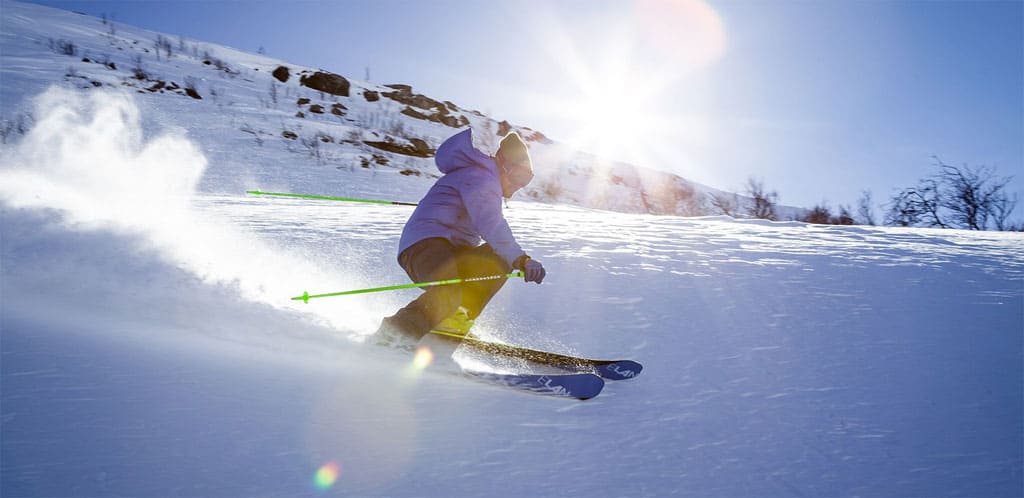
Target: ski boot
x,y
456,324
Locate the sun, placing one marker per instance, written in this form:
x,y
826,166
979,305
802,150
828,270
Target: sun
x,y
620,98
616,112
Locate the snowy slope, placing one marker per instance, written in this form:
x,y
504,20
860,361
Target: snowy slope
x,y
149,346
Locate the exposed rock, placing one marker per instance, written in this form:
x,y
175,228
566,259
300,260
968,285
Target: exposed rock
x,y
376,158
281,73
413,113
415,147
371,96
316,109
338,109
538,137
403,94
445,119
326,82
289,135
439,112
191,92
504,128
302,101
455,122
421,147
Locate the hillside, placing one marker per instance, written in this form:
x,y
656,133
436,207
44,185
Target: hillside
x,y
249,111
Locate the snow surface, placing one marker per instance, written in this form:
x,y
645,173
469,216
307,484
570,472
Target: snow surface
x,y
149,346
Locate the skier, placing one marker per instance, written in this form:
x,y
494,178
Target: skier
x,y
442,239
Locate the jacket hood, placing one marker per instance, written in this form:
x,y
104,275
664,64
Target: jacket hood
x,y
458,152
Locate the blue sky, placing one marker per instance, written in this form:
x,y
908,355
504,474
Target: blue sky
x,y
819,99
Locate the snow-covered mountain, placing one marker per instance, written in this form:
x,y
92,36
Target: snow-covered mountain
x,y
149,345
325,125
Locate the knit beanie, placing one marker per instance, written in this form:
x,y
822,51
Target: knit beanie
x,y
513,151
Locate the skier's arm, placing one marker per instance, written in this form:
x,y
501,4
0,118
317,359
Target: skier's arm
x,y
483,203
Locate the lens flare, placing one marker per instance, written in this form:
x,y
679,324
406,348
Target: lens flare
x,y
424,357
327,475
370,434
690,32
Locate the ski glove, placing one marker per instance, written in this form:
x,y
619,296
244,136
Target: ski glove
x,y
533,271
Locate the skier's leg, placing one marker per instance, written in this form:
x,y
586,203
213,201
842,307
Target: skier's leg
x,y
480,261
425,261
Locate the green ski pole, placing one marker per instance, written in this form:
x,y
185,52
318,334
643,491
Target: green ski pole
x,y
326,198
305,297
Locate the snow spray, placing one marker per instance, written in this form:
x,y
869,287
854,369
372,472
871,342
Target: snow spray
x,y
89,159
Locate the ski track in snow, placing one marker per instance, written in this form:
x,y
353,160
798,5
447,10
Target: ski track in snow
x,y
165,358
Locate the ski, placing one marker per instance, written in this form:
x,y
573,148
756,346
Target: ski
x,y
608,369
575,385
578,385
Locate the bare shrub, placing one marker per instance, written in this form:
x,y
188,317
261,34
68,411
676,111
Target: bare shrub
x,y
163,44
972,198
63,47
727,204
138,72
764,203
866,209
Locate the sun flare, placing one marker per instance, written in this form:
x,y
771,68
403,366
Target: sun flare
x,y
615,111
618,99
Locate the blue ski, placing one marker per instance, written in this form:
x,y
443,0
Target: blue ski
x,y
577,385
608,369
617,369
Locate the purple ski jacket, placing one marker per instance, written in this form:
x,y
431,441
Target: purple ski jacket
x,y
464,206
